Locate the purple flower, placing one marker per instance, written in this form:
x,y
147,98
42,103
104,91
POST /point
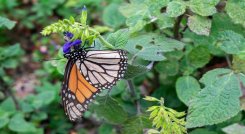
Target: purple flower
x,y
68,34
67,46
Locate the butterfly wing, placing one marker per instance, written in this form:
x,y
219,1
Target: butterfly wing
x,y
102,69
85,77
76,92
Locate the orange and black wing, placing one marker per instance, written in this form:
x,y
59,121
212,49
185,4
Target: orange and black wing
x,y
76,92
87,76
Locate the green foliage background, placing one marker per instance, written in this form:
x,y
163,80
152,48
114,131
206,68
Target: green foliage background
x,y
189,52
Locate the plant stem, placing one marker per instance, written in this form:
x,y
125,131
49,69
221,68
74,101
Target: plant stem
x,y
228,61
133,94
177,27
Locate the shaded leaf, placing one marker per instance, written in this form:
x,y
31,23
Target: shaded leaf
x,y
170,68
203,8
234,129
134,71
202,131
5,22
19,124
108,108
198,57
136,125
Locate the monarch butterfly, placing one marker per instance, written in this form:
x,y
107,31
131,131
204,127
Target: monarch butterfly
x,y
87,73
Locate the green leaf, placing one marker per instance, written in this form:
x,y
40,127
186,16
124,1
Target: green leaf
x,y
43,98
106,129
203,8
151,46
198,57
136,125
4,118
19,124
108,108
119,39
135,70
231,42
202,131
112,17
175,8
10,51
234,129
187,87
217,101
236,10
5,22
164,21
170,68
10,63
155,6
133,9
238,64
199,25
8,105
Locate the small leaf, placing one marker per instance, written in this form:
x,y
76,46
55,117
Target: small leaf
x,y
149,98
234,129
19,124
119,39
198,57
175,8
187,87
8,105
217,101
4,118
199,25
170,68
136,125
236,10
7,23
231,42
134,71
203,8
108,108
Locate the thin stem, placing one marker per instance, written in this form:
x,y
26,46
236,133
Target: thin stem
x,y
228,61
133,94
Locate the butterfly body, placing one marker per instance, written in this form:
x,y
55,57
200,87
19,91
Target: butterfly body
x,y
87,73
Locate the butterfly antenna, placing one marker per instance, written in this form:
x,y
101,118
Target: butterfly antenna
x,y
50,59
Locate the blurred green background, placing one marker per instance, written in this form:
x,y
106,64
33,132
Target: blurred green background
x,y
171,45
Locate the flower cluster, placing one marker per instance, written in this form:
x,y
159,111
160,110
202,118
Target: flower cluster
x,y
67,46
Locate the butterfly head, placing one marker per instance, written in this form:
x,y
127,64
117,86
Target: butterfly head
x,y
76,54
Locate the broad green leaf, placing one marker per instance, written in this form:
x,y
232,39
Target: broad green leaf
x,y
231,42
133,9
112,17
5,22
151,46
236,10
119,39
234,129
198,57
175,8
10,63
136,23
203,7
217,101
202,131
199,25
136,125
10,51
187,87
135,70
19,124
168,67
108,108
